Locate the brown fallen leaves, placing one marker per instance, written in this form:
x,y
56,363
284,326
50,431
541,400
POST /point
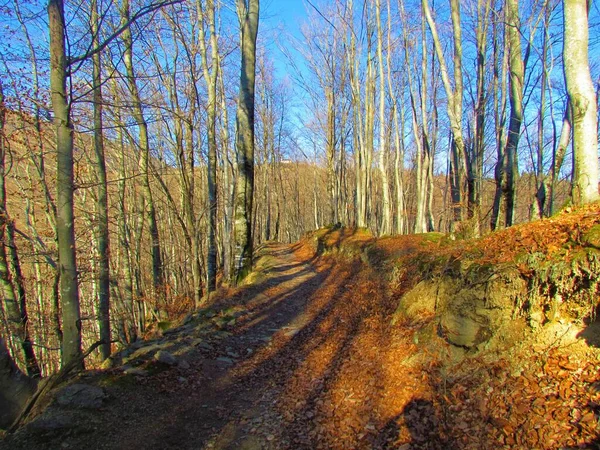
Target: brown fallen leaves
x,y
355,389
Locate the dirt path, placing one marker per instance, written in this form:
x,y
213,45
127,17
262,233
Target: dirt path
x,y
306,358
258,383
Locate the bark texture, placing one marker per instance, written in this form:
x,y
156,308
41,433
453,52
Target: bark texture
x,y
582,99
248,12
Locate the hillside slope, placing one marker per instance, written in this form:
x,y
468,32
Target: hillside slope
x,y
346,341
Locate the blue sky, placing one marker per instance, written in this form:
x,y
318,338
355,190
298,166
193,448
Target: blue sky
x,y
279,18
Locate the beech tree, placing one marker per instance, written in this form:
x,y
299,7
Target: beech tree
x,y
13,294
210,68
248,14
454,94
102,235
65,220
507,168
582,101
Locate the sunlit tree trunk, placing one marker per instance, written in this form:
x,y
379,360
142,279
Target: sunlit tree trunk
x,y
65,221
210,70
500,58
582,99
248,14
517,76
542,185
102,236
369,125
475,162
397,108
13,292
558,155
148,207
133,324
228,181
386,224
455,100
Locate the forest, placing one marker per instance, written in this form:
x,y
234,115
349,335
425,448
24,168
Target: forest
x,y
155,153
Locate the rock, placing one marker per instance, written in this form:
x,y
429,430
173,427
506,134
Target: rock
x,y
225,360
51,421
138,371
146,349
165,357
472,305
421,300
464,330
183,364
81,396
591,237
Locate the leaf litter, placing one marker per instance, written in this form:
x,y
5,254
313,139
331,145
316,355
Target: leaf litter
x,y
350,378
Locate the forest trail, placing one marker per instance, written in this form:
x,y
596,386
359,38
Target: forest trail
x,y
286,374
308,355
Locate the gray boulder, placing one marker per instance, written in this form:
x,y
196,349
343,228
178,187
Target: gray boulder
x,y
81,396
165,357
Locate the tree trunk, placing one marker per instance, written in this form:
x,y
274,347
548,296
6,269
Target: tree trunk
x,y
517,76
147,203
210,77
582,100
133,325
455,99
248,13
499,94
15,388
386,226
102,243
13,292
475,160
65,229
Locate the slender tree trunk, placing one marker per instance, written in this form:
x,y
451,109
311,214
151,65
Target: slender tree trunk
x,y
248,13
103,243
148,201
455,99
475,164
542,185
398,133
558,155
69,291
133,324
500,95
386,226
210,77
517,76
13,292
330,150
228,182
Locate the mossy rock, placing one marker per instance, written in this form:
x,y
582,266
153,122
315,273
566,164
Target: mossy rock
x,y
465,329
472,305
164,325
591,237
419,301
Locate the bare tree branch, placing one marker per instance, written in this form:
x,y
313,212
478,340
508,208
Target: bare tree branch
x,y
142,12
